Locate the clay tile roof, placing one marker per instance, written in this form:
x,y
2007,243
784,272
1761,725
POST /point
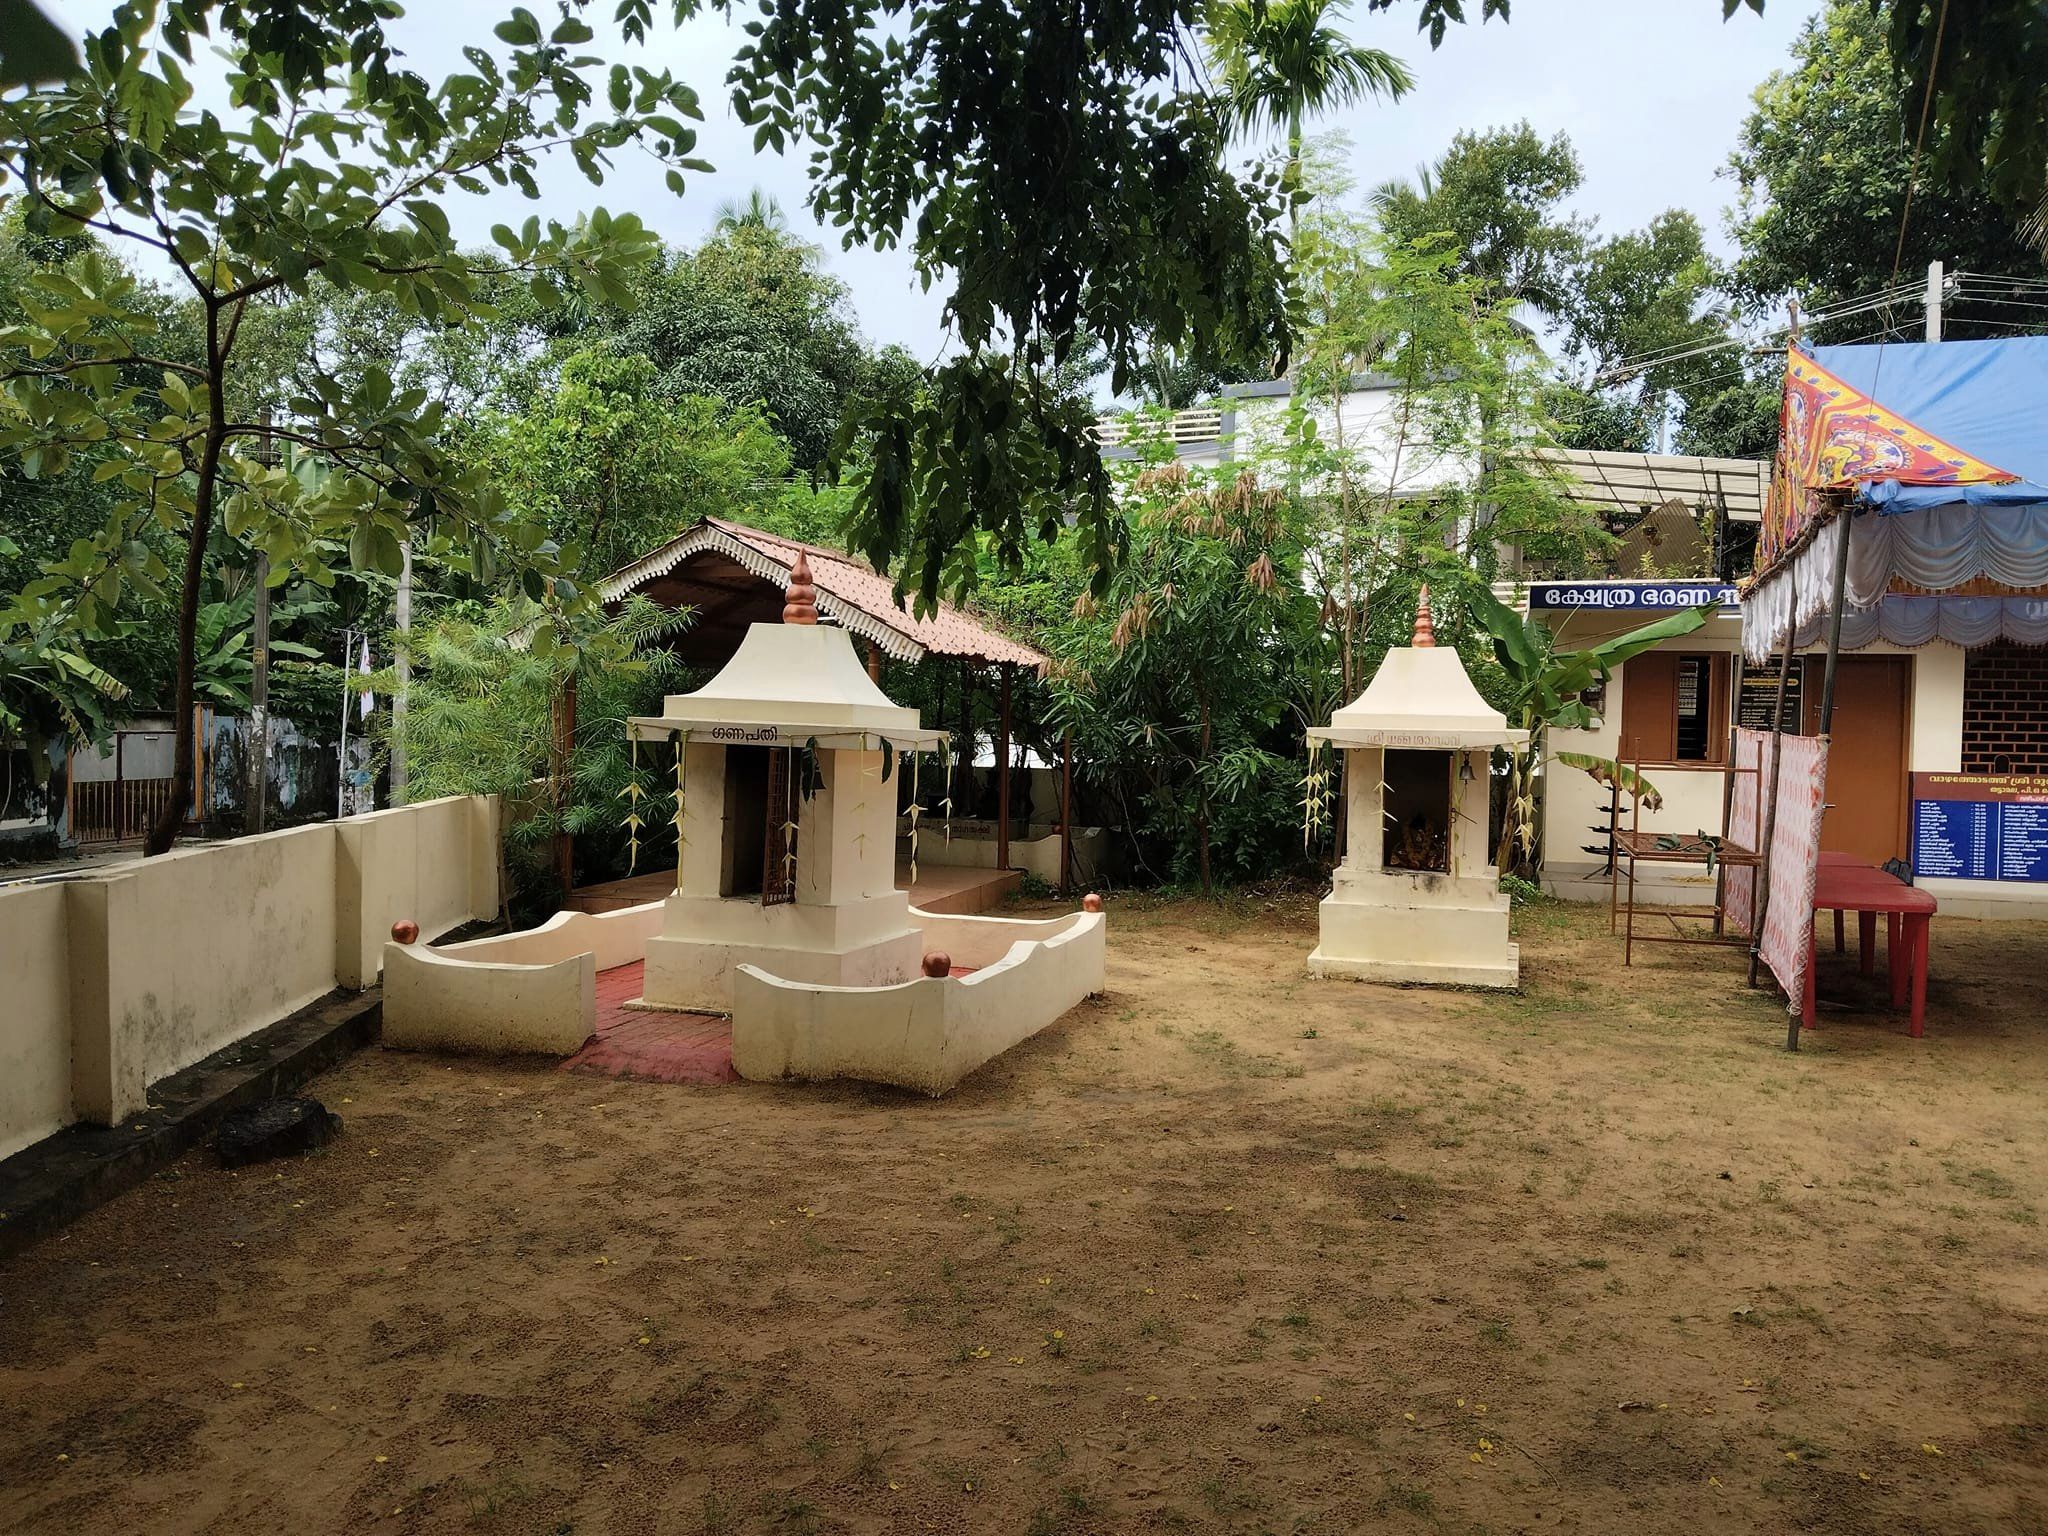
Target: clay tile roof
x,y
849,593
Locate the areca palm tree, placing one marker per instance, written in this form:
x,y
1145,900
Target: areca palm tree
x,y
1282,60
757,210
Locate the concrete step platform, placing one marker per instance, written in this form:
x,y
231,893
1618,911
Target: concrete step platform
x,y
956,890
655,1045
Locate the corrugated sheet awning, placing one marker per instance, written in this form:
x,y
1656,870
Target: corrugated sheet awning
x,y
1634,483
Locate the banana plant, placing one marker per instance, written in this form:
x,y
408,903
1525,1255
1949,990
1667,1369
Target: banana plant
x,y
49,690
1547,689
1612,773
223,660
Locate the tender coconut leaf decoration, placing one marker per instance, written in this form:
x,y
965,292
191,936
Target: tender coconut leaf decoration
x,y
946,769
631,795
681,739
916,810
1316,794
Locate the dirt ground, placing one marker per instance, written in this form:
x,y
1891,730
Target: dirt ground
x,y
1227,1250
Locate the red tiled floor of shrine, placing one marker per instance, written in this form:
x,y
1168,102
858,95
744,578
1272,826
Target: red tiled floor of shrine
x,y
653,1044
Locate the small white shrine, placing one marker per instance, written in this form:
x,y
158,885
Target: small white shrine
x,y
1416,898
788,819
785,913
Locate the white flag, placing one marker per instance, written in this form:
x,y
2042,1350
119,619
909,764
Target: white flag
x,y
369,698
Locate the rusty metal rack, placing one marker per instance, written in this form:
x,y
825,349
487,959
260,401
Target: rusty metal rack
x,y
1633,845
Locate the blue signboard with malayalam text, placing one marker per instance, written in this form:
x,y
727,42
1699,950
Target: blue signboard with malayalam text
x,y
1632,596
1980,826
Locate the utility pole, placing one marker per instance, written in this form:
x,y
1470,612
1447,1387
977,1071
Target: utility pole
x,y
1934,288
256,797
348,639
403,667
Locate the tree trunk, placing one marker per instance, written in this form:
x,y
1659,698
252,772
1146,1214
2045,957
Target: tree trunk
x,y
1003,778
1202,803
256,789
1504,853
402,665
172,819
1294,166
964,766
1510,858
564,747
1067,812
1344,509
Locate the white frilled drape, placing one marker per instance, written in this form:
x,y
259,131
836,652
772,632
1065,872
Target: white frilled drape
x,y
1910,622
1938,548
1792,597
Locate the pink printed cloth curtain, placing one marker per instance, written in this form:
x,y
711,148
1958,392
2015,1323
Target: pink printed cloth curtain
x,y
1794,852
1746,823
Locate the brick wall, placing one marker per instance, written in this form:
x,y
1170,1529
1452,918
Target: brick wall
x,y
2005,709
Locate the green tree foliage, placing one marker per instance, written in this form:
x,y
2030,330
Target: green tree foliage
x,y
604,461
1823,167
1281,62
757,210
1427,490
1988,63
1653,293
33,48
1646,294
1738,420
1349,500
467,369
1085,192
480,720
1177,686
1499,196
751,317
1062,170
331,166
49,687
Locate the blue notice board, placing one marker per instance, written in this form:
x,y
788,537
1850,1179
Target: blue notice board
x,y
1980,826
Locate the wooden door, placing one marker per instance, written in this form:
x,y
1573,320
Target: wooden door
x,y
1867,799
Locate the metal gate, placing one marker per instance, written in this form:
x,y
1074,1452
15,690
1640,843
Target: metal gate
x,y
107,800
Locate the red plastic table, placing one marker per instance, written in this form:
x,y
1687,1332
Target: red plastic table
x,y
1846,886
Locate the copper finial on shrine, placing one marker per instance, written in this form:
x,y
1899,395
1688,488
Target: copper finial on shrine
x,y
800,604
1425,628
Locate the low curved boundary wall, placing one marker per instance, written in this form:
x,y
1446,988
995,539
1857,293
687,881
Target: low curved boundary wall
x,y
113,980
973,845
925,1034
534,991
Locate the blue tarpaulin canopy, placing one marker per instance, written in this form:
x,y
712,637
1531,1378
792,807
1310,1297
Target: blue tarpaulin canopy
x,y
1988,398
1949,442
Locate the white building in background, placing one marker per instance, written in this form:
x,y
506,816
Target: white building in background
x,y
1366,419
1674,514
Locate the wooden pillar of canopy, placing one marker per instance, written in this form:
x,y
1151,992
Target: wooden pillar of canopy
x,y
1003,774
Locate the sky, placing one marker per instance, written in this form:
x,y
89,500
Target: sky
x,y
1651,92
